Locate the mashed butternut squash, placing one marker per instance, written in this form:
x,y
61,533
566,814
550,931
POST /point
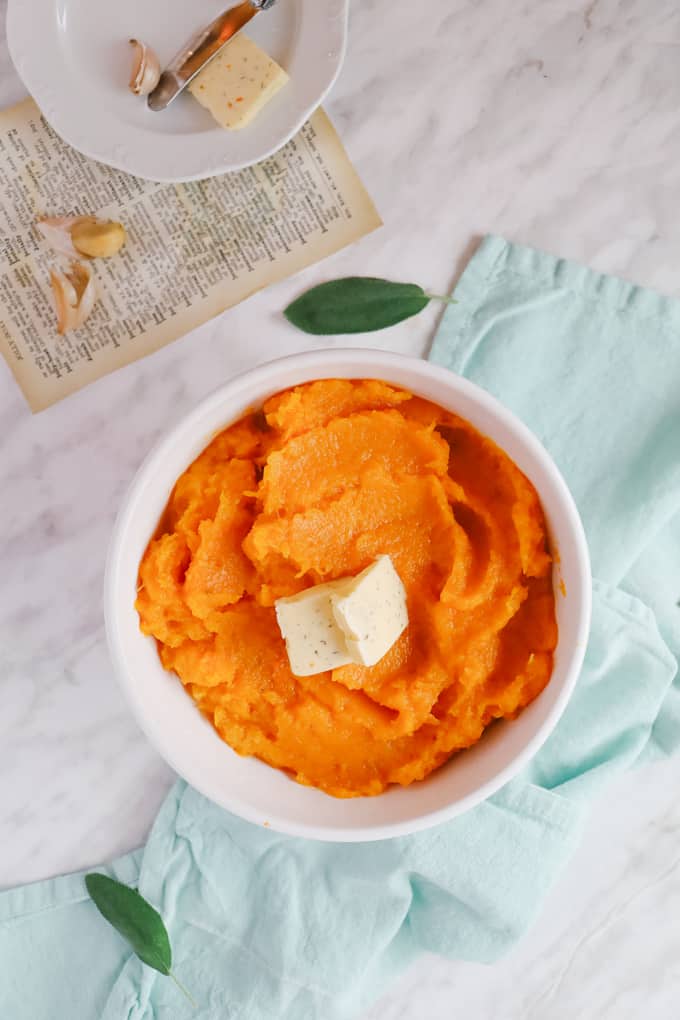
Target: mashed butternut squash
x,y
313,486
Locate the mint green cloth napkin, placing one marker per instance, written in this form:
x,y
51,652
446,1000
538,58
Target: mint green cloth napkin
x,y
265,927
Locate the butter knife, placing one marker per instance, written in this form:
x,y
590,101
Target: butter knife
x,y
201,49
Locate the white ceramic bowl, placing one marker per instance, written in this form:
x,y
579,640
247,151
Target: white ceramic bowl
x,y
246,786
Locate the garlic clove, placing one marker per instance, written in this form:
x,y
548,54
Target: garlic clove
x,y
57,232
146,69
77,237
74,295
98,239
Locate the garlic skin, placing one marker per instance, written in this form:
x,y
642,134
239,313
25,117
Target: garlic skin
x,y
57,232
146,69
74,295
76,237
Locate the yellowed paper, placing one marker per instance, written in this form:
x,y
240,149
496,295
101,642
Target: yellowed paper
x,y
193,250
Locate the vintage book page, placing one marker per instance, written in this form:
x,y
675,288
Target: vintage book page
x,y
193,250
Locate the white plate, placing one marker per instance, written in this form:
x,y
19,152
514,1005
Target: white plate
x,y
74,58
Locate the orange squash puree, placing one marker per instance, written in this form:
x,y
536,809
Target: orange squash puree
x,y
314,486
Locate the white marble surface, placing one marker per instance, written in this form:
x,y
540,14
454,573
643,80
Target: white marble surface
x,y
554,122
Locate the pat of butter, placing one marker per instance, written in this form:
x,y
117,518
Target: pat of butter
x,y
372,612
314,640
238,82
351,620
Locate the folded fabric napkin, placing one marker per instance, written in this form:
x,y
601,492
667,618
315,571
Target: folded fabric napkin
x,y
266,926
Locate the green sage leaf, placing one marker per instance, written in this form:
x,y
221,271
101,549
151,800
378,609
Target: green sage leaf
x,y
135,919
356,304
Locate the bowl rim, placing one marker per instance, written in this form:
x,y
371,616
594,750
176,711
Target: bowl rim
x,y
324,359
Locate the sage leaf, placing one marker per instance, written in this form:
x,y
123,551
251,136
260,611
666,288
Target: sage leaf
x,y
356,304
135,919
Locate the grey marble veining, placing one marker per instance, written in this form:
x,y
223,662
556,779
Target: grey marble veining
x,y
553,122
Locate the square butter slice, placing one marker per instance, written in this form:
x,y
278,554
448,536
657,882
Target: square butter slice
x,y
238,83
314,640
371,611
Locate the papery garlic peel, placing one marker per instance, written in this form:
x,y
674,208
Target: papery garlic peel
x,y
57,232
146,69
74,295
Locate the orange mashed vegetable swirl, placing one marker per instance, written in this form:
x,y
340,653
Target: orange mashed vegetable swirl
x,y
314,486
